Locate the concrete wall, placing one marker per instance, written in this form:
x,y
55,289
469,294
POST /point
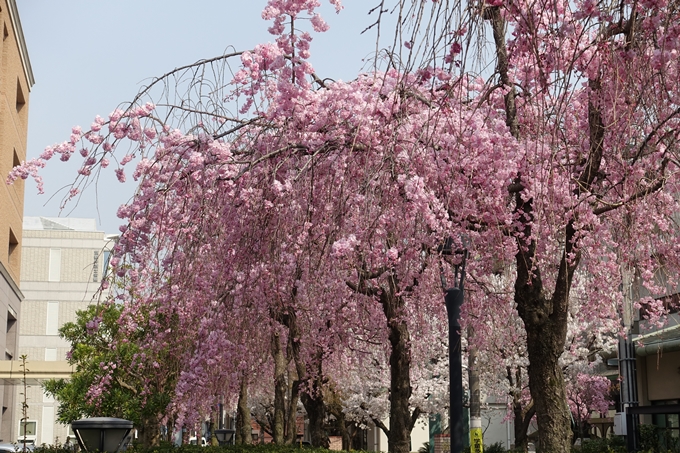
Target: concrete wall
x,y
62,267
662,376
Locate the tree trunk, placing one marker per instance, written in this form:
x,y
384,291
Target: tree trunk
x,y
522,414
150,432
316,411
243,425
399,437
291,423
546,383
312,397
280,388
545,321
401,418
523,418
344,432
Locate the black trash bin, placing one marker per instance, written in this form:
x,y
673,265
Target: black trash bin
x,y
103,434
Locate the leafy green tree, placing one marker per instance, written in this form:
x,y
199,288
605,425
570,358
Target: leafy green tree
x,y
111,377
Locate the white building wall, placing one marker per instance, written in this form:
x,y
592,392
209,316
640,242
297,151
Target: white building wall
x,y
62,266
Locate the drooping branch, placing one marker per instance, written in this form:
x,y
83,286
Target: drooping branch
x,y
658,185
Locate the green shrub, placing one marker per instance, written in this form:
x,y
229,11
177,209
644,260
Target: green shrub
x,y
497,447
598,445
170,448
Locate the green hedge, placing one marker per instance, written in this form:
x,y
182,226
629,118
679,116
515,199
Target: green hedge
x,y
170,448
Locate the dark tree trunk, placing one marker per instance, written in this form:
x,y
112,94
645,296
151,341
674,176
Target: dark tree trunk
x,y
548,390
280,388
291,420
244,434
545,321
522,413
523,418
401,419
545,318
316,411
312,395
400,390
344,432
150,432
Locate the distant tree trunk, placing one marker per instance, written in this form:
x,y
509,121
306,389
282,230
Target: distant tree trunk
x,y
335,408
344,432
316,411
280,388
312,396
315,405
243,424
401,418
291,424
523,413
523,418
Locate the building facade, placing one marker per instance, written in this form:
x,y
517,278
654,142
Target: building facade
x,y
63,264
16,80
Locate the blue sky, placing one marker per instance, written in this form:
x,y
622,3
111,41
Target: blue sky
x,y
88,56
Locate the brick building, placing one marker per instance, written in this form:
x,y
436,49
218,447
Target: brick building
x,y
16,80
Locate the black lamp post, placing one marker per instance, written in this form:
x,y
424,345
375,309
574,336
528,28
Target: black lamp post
x,y
224,436
453,297
103,434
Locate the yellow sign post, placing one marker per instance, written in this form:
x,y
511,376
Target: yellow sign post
x,y
476,443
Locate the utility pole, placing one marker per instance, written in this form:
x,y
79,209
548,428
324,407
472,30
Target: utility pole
x,y
453,297
627,369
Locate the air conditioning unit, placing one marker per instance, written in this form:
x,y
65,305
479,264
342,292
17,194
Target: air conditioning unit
x,y
620,424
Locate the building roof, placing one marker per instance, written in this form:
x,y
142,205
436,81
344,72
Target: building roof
x,y
59,223
21,41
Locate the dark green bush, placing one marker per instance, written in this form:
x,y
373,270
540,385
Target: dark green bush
x,y
170,448
497,447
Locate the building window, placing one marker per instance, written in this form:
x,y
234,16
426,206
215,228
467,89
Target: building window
x,y
55,265
13,249
11,333
28,430
47,432
21,100
667,425
50,354
52,324
105,267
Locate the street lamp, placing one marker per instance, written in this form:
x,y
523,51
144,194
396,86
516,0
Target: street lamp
x,y
224,436
453,297
103,434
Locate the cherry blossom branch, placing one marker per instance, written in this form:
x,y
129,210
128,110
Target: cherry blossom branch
x,y
658,185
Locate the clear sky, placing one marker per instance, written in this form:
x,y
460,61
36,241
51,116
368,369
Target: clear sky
x,y
88,56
